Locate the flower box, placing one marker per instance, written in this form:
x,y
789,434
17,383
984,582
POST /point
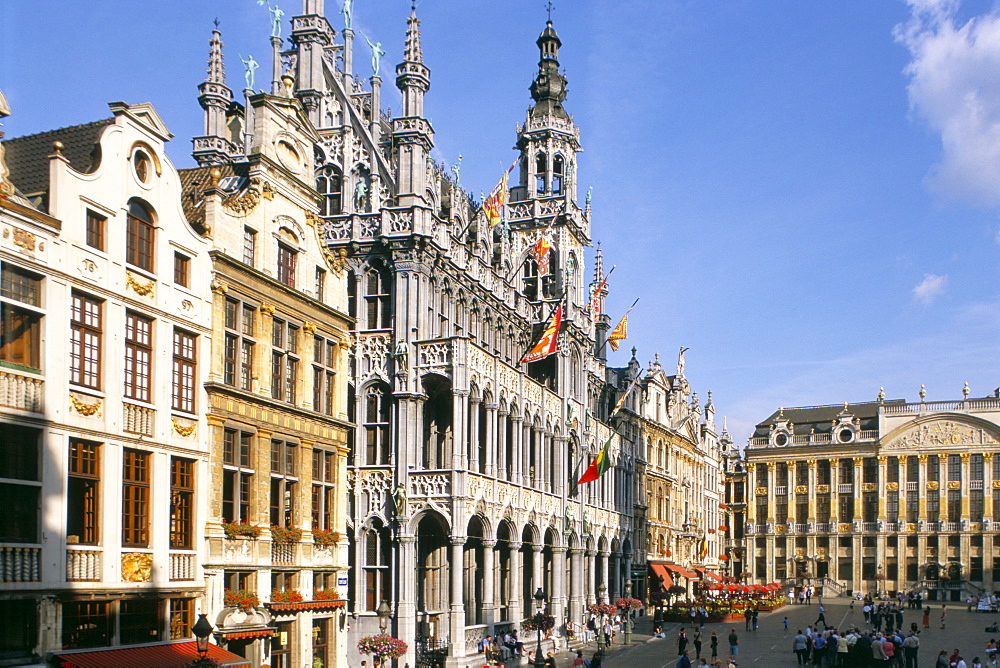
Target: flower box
x,y
325,537
241,530
290,596
324,594
285,535
382,647
539,622
244,600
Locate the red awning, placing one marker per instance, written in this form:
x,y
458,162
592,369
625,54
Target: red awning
x,y
711,575
171,655
690,575
664,575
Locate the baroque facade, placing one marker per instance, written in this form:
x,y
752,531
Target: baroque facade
x,y
884,495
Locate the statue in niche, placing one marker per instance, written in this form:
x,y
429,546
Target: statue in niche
x,y
568,524
360,195
402,355
586,522
399,499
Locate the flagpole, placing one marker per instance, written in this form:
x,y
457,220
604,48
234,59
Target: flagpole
x,y
556,305
606,339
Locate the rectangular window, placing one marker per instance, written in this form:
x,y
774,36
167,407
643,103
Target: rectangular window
x,y
377,300
284,360
83,493
85,342
95,229
954,505
324,353
933,467
976,467
181,618
239,344
249,246
237,475
323,475
181,503
138,355
846,508
912,506
135,499
19,497
320,283
86,624
139,250
182,270
20,323
954,467
869,507
933,507
283,482
139,619
976,505
20,630
185,366
892,506
286,265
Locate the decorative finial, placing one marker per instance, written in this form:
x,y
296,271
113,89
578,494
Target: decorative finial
x,y
923,392
216,22
881,394
548,9
58,146
634,351
214,175
456,169
965,390
288,81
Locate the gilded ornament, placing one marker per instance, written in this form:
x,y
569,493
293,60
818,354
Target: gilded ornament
x,y
309,328
996,484
219,286
965,456
911,526
932,484
137,567
976,526
892,486
822,489
243,205
183,430
24,239
760,491
266,309
868,487
85,409
143,290
844,526
954,484
801,489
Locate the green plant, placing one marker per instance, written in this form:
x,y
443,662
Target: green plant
x,y
237,529
325,595
288,534
325,537
382,647
539,621
242,599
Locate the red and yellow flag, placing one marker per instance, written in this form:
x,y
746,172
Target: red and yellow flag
x,y
549,341
619,333
597,468
542,252
493,205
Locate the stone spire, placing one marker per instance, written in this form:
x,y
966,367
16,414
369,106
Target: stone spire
x,y
214,96
311,35
548,90
412,134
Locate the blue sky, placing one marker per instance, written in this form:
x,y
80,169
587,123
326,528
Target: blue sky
x,y
805,194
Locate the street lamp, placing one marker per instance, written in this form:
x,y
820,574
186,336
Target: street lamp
x,y
383,613
628,612
539,606
202,629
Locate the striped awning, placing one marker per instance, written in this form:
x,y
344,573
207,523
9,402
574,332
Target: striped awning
x,y
168,655
683,572
664,575
709,575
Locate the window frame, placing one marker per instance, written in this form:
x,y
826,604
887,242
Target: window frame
x,y
86,340
182,510
182,269
96,227
138,356
184,371
21,318
237,473
83,494
136,500
286,264
140,238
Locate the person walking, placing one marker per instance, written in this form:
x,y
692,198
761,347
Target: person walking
x,y
747,614
942,660
944,615
822,616
734,645
683,661
682,641
753,618
696,641
800,645
713,643
910,648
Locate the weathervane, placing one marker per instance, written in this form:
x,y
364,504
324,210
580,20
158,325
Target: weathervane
x,y
216,21
548,8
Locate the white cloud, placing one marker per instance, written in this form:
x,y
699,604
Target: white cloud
x,y
930,288
955,87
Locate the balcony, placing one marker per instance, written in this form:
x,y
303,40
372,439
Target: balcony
x,y
182,566
283,553
780,490
20,564
21,392
912,486
137,419
83,565
845,488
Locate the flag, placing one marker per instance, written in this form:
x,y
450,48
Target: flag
x,y
628,391
493,206
595,296
597,468
619,333
703,551
549,341
541,251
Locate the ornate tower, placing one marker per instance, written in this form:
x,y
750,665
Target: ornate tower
x,y
214,147
412,134
311,36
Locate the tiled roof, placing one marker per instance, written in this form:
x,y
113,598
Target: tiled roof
x,y
27,157
196,179
821,418
170,655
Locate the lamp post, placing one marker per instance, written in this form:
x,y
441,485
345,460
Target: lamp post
x,y
202,629
383,612
539,608
601,638
628,612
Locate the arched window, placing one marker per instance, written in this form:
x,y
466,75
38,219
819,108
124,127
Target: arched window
x,y
140,236
330,185
557,175
541,166
529,276
377,409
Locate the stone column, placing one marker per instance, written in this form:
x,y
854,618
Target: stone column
x,y
590,575
614,580
537,576
457,603
558,594
491,440
516,571
489,573
880,490
966,469
475,405
503,466
858,495
516,451
406,608
460,429
576,582
560,474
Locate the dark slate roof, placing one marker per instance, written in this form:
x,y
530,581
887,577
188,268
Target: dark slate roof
x,y
820,418
27,157
196,179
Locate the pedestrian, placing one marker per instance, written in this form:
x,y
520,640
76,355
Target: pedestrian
x,y
579,661
818,649
696,641
683,661
976,663
927,617
682,641
550,660
753,617
734,645
944,614
822,615
800,645
942,660
786,624
747,614
910,648
713,642
878,652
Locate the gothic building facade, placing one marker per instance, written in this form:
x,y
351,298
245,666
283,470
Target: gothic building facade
x,y
884,495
